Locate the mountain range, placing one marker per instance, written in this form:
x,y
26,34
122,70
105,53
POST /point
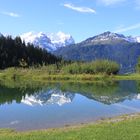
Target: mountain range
x,y
50,42
112,46
108,36
125,50
54,41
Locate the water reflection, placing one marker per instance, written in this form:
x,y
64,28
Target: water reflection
x,y
10,94
47,97
65,92
38,106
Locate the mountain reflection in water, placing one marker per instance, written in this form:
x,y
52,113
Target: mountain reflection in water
x,y
36,106
53,96
64,93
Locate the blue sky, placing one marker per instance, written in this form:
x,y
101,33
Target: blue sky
x,y
80,18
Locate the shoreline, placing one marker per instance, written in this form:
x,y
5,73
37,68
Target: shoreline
x,y
122,126
113,119
126,125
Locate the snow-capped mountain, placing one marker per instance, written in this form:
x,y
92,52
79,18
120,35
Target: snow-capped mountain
x,y
137,39
108,45
1,34
38,39
60,39
51,41
109,37
53,96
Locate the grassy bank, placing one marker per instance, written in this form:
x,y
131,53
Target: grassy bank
x,y
120,128
43,74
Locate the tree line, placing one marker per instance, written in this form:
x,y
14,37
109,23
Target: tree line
x,y
15,53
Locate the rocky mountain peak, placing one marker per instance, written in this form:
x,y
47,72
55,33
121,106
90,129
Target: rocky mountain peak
x,y
50,41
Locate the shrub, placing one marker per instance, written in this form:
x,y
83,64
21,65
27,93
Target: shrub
x,y
95,67
138,66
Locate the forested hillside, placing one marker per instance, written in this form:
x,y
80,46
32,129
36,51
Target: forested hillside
x,y
14,52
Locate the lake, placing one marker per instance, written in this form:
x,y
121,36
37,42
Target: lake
x,y
61,104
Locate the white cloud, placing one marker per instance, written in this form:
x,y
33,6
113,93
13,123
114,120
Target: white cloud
x,y
125,29
110,2
79,9
11,14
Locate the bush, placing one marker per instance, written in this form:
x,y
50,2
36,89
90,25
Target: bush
x,y
94,67
138,66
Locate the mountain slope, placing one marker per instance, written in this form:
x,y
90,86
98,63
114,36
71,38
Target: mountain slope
x,y
60,39
1,34
49,42
137,39
112,46
108,38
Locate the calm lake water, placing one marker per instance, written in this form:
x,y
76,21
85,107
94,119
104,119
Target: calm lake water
x,y
57,105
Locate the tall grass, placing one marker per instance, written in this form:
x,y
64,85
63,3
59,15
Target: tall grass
x,y
94,67
92,71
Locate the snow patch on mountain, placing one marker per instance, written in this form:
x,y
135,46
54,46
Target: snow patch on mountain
x,y
50,42
1,34
137,39
109,36
61,39
38,39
